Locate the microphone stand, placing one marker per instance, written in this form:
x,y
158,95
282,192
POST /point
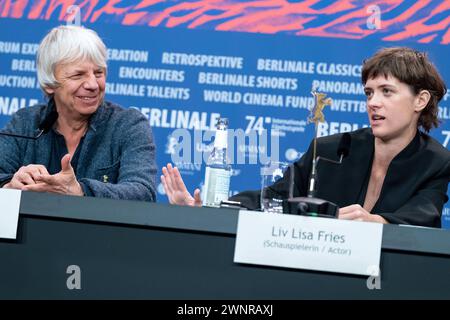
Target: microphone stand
x,y
310,205
21,136
43,128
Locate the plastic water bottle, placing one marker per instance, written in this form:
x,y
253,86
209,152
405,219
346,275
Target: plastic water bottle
x,y
218,169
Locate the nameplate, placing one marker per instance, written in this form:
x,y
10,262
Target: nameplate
x,y
9,213
311,243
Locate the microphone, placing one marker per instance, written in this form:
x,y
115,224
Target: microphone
x,y
342,152
43,127
310,205
344,146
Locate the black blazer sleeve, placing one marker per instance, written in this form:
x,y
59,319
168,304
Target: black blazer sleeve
x,y
425,206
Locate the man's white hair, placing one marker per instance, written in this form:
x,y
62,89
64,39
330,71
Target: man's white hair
x,y
66,44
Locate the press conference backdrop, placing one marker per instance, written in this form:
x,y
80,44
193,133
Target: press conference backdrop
x,y
183,64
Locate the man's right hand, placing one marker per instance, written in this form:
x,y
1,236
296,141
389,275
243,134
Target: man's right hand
x,y
176,189
26,175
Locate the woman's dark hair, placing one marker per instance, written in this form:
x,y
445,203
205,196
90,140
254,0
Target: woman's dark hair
x,y
416,70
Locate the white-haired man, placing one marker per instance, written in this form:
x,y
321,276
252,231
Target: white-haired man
x,y
94,147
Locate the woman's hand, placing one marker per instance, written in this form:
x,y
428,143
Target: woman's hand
x,y
358,213
176,189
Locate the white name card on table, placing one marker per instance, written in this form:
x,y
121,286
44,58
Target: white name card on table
x,y
311,243
9,212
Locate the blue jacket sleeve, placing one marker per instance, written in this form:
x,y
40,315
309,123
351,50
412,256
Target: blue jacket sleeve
x,y
11,148
136,168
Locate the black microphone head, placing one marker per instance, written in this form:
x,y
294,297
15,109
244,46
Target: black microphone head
x,y
48,121
344,145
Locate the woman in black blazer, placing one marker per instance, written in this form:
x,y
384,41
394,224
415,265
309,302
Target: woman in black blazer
x,y
395,172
